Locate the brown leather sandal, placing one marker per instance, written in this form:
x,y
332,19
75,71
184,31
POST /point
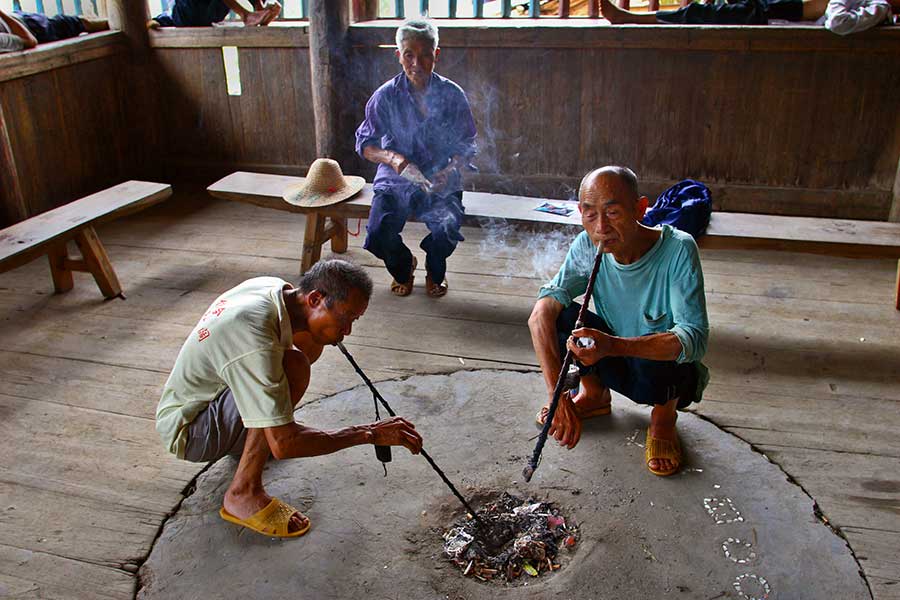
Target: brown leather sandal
x,y
405,289
436,290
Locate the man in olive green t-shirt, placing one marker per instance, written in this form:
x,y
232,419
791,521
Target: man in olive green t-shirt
x,y
242,371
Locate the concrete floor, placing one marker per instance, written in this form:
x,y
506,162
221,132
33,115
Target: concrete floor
x,y
641,536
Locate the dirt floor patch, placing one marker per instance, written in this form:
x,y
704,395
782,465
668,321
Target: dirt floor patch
x,y
729,525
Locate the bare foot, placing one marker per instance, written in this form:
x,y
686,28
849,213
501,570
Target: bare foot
x,y
247,505
617,16
93,24
274,9
591,397
256,18
662,426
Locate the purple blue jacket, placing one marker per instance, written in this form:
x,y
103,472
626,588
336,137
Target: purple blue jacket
x,y
394,123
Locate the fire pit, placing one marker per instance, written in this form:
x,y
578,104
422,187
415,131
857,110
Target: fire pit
x,y
517,536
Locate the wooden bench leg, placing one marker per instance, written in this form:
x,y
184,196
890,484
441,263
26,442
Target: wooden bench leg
x,y
96,261
339,241
58,255
312,241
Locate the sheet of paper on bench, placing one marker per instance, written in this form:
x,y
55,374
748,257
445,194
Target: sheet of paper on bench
x,y
26,240
265,190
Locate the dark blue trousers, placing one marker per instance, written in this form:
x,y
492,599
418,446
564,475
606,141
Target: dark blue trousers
x,y
390,210
194,13
740,12
51,29
644,381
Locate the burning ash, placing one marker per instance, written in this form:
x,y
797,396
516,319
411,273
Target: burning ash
x,y
518,536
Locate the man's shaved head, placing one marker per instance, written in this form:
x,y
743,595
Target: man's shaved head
x,y
625,176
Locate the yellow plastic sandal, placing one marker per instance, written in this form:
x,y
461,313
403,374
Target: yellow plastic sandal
x,y
657,448
405,289
273,520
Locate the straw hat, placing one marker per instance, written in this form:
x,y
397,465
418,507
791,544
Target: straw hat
x,y
324,185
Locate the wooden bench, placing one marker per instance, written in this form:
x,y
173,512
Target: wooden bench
x,y
834,237
50,232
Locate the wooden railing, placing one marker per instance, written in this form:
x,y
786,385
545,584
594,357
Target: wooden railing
x,y
492,9
292,10
59,7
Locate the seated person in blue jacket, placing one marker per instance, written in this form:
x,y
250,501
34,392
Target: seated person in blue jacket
x,y
203,13
651,331
23,30
736,12
420,131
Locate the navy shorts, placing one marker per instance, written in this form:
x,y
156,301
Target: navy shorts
x,y
644,381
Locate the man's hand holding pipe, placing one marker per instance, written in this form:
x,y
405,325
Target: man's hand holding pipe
x,y
601,348
566,426
396,431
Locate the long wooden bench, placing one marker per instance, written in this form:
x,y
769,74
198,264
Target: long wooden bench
x,y
50,232
834,237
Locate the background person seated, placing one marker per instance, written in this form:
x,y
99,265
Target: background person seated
x,y
739,12
203,13
22,30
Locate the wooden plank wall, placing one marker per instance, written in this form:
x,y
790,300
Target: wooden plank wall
x,y
775,120
269,127
779,120
74,129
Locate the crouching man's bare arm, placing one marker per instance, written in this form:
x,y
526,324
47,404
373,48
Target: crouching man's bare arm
x,y
295,441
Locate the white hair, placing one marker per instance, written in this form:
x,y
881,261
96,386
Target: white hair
x,y
420,30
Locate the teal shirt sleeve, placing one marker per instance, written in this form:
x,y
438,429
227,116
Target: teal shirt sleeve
x,y
688,304
572,279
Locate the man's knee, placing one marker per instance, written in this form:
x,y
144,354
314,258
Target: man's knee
x,y
657,382
297,370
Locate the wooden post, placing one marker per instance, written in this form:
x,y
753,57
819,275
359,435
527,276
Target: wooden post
x,y
130,16
328,26
563,9
593,9
894,215
14,208
365,10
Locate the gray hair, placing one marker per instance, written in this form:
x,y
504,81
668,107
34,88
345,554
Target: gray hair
x,y
625,175
420,30
335,278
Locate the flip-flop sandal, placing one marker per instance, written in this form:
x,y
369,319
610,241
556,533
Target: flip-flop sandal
x,y
273,520
405,289
657,448
436,290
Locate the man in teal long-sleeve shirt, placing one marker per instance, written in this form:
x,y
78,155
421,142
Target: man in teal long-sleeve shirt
x,y
651,330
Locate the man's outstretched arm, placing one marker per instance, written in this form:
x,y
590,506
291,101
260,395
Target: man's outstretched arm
x,y
295,441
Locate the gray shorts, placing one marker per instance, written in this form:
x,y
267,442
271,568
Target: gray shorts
x,y
216,431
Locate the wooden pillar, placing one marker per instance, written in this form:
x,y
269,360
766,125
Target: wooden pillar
x,y
365,10
895,205
14,208
130,16
328,48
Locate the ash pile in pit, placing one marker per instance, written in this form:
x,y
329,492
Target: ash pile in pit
x,y
517,536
